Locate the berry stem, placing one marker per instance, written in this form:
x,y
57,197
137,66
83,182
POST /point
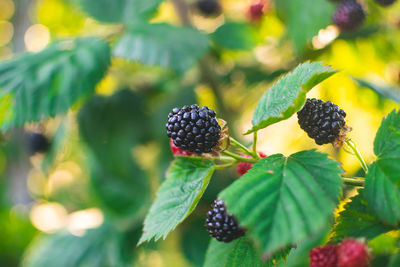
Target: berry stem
x,y
354,149
239,158
244,148
255,154
353,181
227,165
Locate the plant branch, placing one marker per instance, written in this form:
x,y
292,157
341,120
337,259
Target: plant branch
x,y
243,147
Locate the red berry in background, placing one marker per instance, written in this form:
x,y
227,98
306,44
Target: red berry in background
x,y
257,10
176,151
325,256
352,253
243,167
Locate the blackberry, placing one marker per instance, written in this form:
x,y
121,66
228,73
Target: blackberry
x,y
38,143
349,15
385,2
193,128
209,7
322,121
221,225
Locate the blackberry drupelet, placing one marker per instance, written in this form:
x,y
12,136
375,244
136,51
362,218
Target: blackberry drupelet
x,y
38,143
193,128
209,7
221,225
349,15
322,121
385,2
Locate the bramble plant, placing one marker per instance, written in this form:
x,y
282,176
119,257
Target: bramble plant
x,y
136,130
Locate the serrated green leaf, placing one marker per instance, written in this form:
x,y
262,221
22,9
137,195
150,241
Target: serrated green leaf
x,y
384,90
288,95
36,86
383,195
111,127
383,178
235,36
304,19
395,260
238,253
96,248
187,179
283,200
357,221
164,45
119,10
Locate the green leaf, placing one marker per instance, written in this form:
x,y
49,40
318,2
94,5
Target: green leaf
x,y
119,10
165,45
35,86
383,195
383,90
187,179
304,18
96,248
111,127
395,260
288,95
239,252
283,200
383,178
357,221
235,36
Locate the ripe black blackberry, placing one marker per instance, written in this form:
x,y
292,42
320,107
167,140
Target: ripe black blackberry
x,y
322,121
349,15
38,143
221,225
193,128
385,2
209,7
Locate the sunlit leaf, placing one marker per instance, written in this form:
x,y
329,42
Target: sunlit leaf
x,y
288,95
384,90
119,10
283,200
36,86
164,45
187,179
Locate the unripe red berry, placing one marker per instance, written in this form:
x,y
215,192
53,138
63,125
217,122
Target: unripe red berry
x,y
244,167
352,253
325,256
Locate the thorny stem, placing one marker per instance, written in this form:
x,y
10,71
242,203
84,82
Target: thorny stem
x,y
239,158
227,165
354,149
255,145
353,181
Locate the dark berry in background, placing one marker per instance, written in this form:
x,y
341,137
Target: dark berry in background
x,y
193,128
38,143
322,121
349,15
209,7
385,2
221,225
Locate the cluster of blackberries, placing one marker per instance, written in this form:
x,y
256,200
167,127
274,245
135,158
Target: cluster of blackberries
x,y
322,121
193,128
221,225
209,7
